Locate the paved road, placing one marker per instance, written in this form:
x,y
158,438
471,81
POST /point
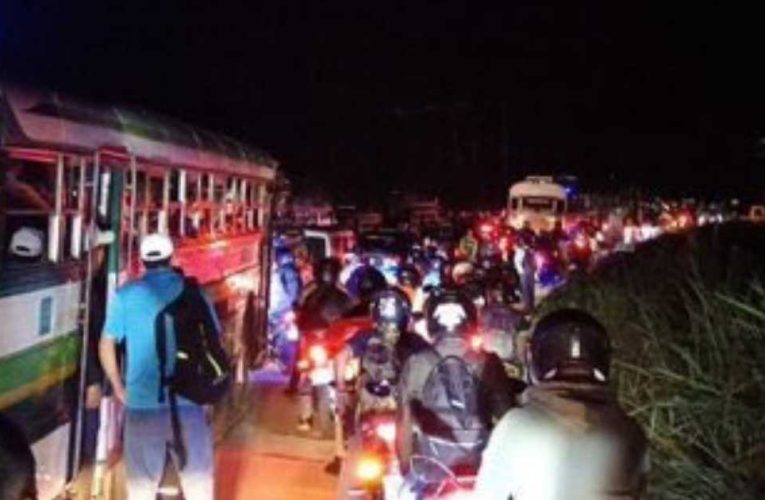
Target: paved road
x,y
264,457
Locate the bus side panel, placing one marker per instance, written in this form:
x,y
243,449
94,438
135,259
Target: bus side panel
x,y
40,343
230,272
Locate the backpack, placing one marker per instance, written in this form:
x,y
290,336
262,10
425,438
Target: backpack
x,y
202,372
453,430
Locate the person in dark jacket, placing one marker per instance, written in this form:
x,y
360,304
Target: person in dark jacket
x,y
323,302
570,439
451,322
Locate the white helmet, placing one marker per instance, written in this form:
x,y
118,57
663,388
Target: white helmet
x,y
156,247
27,242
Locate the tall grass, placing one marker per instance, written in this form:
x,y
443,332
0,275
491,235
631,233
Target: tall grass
x,y
687,319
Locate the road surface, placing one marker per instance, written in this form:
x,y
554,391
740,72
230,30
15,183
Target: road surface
x,y
264,457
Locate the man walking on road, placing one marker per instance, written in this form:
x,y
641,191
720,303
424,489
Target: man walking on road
x,y
148,422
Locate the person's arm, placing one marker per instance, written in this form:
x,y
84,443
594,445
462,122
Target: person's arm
x,y
405,420
107,351
491,481
341,361
114,333
502,390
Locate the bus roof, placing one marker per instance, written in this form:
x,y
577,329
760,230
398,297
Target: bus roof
x,y
47,120
536,188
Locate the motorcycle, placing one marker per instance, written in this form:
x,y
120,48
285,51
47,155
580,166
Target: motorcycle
x,y
433,480
549,267
580,253
318,349
377,456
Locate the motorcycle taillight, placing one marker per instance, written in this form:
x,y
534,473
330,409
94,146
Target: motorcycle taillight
x,y
370,468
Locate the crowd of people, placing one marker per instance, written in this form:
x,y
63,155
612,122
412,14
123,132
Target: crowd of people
x,y
479,384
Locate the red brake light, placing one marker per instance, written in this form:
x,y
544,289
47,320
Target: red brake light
x,y
476,342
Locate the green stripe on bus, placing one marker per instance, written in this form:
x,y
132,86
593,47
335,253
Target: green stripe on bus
x,y
38,361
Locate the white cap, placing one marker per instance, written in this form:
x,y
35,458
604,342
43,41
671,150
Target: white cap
x,y
27,242
156,247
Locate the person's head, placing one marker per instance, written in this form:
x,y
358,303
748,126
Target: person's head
x,y
27,244
408,276
327,271
497,291
462,272
17,463
365,282
450,313
391,313
569,345
283,257
156,251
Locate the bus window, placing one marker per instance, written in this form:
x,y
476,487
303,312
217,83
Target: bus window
x,y
514,204
539,204
28,193
76,206
253,202
175,206
194,204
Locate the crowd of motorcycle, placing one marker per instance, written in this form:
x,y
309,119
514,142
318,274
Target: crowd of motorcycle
x,y
421,377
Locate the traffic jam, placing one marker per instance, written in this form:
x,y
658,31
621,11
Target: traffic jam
x,y
363,250
486,273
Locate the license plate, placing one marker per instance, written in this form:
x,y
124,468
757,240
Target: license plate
x,y
322,376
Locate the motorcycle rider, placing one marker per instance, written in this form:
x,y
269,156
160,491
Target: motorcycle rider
x,y
570,438
450,394
408,280
526,267
468,245
285,290
381,353
362,285
498,321
323,302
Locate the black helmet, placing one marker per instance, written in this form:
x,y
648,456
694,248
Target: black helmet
x,y
391,307
570,345
327,271
449,311
283,256
408,276
366,281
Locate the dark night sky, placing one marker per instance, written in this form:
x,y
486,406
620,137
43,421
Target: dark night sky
x,y
364,96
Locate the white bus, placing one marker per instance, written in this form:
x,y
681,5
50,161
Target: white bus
x,y
70,171
538,202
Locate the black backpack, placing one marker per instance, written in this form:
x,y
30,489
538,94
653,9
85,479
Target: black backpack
x,y
453,429
202,373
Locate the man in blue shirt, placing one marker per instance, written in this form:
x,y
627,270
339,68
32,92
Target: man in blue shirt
x,y
148,430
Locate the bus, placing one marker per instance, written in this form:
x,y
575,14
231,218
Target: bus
x,y
88,183
537,202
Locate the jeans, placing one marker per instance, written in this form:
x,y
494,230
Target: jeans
x,y
149,437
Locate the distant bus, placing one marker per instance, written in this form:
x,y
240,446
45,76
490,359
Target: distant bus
x,y
537,202
77,176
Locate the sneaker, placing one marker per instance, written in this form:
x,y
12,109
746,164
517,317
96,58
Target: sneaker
x,y
304,424
333,468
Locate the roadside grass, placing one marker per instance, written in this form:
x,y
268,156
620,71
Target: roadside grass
x,y
687,320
